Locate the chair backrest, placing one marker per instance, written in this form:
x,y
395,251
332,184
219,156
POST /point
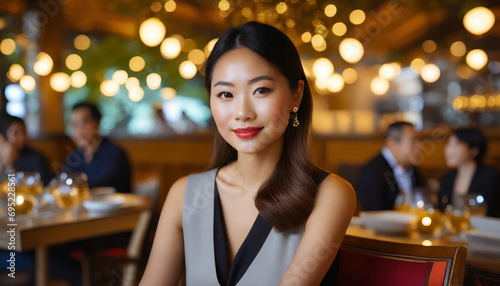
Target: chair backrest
x,y
374,262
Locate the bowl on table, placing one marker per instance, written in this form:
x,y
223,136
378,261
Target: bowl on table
x,y
389,222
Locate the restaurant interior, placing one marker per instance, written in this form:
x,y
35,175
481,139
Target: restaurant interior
x,y
433,63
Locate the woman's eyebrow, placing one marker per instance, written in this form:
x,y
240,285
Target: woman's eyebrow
x,y
253,80
259,78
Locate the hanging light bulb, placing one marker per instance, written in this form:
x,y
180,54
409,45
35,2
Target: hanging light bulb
x,y
170,48
351,50
152,31
60,82
479,20
476,59
379,85
430,73
322,67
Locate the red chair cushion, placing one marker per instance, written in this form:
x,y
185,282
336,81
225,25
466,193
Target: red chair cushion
x,y
361,268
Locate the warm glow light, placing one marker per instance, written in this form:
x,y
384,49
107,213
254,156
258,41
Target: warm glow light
x,y
137,63
335,83
155,6
168,93
281,7
458,103
306,37
197,56
351,50
136,94
16,71
81,42
120,76
109,87
321,82
474,101
429,46
357,17
78,79
170,48
317,41
476,59
152,31
491,102
210,46
427,243
390,71
224,5
74,62
7,46
187,69
349,75
247,12
330,10
60,81
426,221
379,85
43,65
170,6
153,80
339,29
465,72
430,73
322,67
479,20
458,49
131,83
27,83
417,65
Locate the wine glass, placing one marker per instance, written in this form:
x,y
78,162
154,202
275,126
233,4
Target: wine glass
x,y
67,193
29,190
476,204
457,214
430,219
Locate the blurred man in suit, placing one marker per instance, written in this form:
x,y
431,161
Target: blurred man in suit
x,y
392,171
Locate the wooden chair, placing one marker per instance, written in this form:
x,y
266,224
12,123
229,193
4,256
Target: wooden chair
x,y
374,262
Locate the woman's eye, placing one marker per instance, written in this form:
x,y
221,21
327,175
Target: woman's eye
x,y
224,94
262,90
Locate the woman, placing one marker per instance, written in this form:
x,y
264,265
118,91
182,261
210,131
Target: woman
x,y
464,152
26,159
263,214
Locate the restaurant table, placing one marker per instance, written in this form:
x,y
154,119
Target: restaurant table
x,y
60,226
477,260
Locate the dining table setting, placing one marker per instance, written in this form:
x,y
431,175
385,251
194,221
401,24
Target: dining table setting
x,y
418,221
66,210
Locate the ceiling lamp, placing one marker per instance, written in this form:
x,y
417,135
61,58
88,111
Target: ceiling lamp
x,y
430,73
152,32
479,20
351,50
476,59
322,67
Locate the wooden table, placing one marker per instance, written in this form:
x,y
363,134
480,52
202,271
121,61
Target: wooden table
x,y
478,261
61,226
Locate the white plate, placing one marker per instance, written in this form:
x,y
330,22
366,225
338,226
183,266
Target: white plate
x,y
104,203
486,224
391,222
482,242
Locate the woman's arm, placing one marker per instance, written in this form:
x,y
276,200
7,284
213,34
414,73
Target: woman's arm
x,y
167,255
324,232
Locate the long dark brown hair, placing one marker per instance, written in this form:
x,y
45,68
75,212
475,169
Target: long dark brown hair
x,y
286,199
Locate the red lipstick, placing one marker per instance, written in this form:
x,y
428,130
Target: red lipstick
x,y
247,132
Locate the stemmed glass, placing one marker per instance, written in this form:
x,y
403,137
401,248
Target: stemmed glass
x,y
71,190
29,190
457,214
429,218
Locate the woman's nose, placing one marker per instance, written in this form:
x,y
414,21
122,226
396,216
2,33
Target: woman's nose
x,y
244,109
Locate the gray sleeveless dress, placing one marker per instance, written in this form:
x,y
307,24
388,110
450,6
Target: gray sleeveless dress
x,y
263,257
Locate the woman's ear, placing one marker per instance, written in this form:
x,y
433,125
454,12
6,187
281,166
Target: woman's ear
x,y
297,95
